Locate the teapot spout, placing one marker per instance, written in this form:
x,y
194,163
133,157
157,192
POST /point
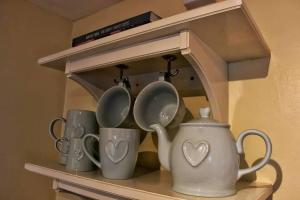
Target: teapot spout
x,y
164,145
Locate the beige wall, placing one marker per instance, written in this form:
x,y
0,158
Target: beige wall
x,y
271,104
30,95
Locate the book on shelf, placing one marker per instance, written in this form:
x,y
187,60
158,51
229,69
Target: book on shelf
x,y
116,28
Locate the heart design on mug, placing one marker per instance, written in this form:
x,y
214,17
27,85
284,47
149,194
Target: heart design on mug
x,y
79,154
196,152
79,131
116,150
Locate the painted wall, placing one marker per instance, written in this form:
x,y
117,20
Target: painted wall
x,y
271,104
30,95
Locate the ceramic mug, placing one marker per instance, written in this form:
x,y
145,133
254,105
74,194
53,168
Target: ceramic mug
x,y
114,108
77,159
77,123
159,103
118,150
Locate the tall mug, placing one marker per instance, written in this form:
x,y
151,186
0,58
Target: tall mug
x,y
77,124
118,150
77,159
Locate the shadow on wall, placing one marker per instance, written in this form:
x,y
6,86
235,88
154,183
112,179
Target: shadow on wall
x,y
244,111
252,176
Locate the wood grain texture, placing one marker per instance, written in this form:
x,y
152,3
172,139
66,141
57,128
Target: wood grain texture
x,y
155,185
64,195
138,51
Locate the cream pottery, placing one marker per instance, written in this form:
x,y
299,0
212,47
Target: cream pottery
x,y
204,157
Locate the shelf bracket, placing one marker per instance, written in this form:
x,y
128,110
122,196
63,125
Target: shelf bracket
x,y
211,70
92,89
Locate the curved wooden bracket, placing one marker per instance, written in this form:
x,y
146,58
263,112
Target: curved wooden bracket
x,y
92,89
212,71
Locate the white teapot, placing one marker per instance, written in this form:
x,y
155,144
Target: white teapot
x,y
204,157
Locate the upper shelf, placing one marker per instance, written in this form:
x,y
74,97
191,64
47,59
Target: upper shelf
x,y
226,27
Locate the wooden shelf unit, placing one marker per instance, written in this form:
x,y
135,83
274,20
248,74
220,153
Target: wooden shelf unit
x,y
154,185
214,44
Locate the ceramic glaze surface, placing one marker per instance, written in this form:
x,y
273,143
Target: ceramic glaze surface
x,y
159,102
77,159
114,108
204,157
195,152
118,149
202,162
77,124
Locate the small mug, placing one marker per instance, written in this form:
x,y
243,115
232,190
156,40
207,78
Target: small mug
x,y
159,103
118,150
77,123
77,159
114,108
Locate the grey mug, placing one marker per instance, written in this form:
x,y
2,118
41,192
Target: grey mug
x,y
114,108
77,124
118,150
77,159
159,103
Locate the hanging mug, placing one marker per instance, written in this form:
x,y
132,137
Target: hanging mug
x,y
159,103
114,108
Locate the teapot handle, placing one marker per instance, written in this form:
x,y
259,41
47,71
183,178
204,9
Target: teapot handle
x,y
240,149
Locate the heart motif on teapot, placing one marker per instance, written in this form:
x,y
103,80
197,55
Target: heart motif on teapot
x,y
195,152
116,150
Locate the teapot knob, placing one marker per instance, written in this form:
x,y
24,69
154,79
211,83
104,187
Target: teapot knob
x,y
204,112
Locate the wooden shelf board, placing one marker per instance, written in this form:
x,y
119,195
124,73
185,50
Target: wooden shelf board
x,y
154,185
225,26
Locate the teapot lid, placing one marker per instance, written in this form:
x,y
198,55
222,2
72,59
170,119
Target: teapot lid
x,y
204,120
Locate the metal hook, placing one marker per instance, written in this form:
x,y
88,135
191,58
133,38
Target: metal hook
x,y
123,78
175,73
168,74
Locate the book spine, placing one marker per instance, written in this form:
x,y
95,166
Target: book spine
x,y
114,28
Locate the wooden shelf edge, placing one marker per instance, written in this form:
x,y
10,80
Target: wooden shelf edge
x,y
135,188
114,189
172,21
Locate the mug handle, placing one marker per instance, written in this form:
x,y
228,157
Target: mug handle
x,y
59,143
51,127
240,149
83,144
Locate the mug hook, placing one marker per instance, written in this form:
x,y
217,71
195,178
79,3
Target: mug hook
x,y
168,74
123,78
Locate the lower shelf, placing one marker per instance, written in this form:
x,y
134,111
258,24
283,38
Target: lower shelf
x,y
153,185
